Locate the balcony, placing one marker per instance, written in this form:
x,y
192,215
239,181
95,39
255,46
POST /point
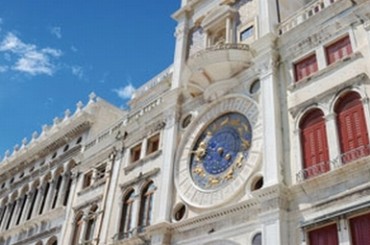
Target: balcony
x,y
323,167
217,63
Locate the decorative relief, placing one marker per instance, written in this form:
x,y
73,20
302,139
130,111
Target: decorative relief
x,y
219,152
196,42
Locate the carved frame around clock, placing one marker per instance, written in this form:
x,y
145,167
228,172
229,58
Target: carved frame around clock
x,y
189,192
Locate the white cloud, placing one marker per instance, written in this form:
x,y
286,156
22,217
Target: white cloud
x,y
78,72
30,59
3,68
125,92
56,31
74,49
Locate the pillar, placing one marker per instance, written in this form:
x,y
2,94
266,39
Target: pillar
x,y
268,17
333,140
271,119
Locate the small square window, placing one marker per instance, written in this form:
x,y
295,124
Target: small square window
x,y
305,68
135,153
100,171
87,179
247,33
338,50
153,144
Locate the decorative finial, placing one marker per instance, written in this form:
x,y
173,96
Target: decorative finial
x,y
24,143
92,97
79,106
56,120
7,154
67,114
35,135
16,148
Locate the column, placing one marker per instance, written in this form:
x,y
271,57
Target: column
x,y
228,30
163,196
333,140
271,121
268,17
6,216
63,189
67,230
49,195
181,49
112,189
297,162
39,197
135,213
18,204
144,146
365,104
27,206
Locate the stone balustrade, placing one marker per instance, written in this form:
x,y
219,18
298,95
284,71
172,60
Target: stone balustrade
x,y
305,13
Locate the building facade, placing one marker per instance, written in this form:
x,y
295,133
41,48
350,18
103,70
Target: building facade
x,y
256,134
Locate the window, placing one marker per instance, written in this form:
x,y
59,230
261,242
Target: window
x,y
352,129
77,230
24,199
257,239
247,33
67,192
100,171
360,227
327,235
146,205
153,144
56,193
12,208
90,224
125,223
305,67
314,144
338,50
135,153
34,196
45,194
87,179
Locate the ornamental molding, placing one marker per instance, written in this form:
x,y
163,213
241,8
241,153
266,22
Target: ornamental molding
x,y
141,177
262,201
196,197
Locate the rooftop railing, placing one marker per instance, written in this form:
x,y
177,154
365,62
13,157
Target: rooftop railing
x,y
305,13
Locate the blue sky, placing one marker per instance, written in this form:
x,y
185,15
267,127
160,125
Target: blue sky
x,y
55,53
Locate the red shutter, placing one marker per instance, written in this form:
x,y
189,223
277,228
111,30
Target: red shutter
x,y
314,143
353,131
360,230
327,235
305,67
338,50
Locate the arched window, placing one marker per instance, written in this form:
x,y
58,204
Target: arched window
x,y
12,208
56,193
125,223
314,143
33,200
67,191
23,204
257,239
43,201
77,229
353,135
146,205
90,224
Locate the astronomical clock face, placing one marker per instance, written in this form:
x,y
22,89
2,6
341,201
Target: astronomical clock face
x,y
219,152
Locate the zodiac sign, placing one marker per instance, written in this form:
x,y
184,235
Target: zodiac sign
x,y
239,160
199,171
213,181
230,174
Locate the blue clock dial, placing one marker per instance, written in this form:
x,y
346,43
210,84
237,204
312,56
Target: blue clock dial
x,y
220,150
